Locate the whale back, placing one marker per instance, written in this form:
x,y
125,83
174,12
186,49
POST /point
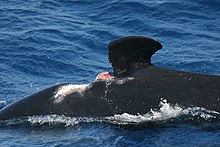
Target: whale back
x,y
131,53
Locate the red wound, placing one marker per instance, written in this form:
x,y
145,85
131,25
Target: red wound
x,y
104,76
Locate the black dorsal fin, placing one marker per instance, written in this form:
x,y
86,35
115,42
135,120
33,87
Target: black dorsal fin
x,y
131,53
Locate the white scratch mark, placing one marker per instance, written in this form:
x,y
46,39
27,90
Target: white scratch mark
x,y
65,90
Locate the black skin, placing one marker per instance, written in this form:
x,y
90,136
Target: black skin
x,y
137,95
134,90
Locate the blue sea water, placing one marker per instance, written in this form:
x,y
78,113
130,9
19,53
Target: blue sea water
x,y
46,42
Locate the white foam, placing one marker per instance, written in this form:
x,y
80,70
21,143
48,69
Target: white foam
x,y
2,102
67,90
165,112
59,119
52,119
202,112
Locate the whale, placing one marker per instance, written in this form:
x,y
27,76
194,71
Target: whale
x,y
135,86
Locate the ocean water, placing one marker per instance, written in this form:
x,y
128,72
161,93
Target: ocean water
x,y
46,42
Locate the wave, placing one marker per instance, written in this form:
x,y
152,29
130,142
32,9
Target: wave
x,y
2,104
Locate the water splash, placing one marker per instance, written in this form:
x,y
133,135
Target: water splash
x,y
166,112
124,80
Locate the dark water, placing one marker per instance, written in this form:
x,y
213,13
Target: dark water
x,y
45,42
